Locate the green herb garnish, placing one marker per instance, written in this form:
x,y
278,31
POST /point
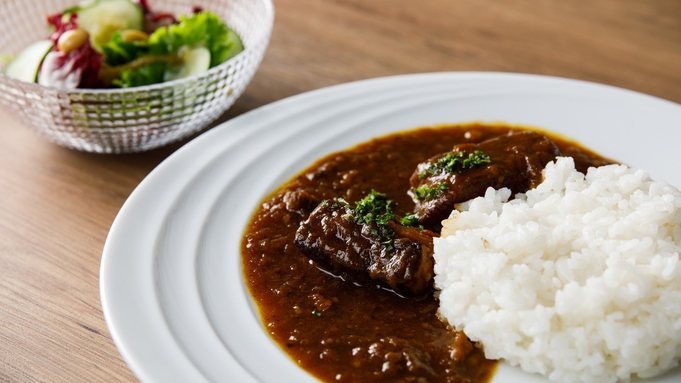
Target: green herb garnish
x,y
456,163
427,192
374,208
409,220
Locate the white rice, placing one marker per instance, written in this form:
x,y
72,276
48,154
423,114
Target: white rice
x,y
579,279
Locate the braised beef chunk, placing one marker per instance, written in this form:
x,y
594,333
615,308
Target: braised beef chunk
x,y
514,161
404,261
300,202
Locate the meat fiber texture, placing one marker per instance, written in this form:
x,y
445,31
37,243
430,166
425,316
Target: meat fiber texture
x,y
578,279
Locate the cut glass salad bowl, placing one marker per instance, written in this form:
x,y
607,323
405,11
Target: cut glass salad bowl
x,y
122,120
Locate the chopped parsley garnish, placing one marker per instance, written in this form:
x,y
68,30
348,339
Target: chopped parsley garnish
x,y
409,220
456,163
427,192
374,208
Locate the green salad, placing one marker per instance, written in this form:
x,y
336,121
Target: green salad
x,y
123,43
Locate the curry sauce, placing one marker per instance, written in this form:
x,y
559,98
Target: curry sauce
x,y
360,331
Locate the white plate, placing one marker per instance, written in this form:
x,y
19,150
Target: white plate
x,y
171,284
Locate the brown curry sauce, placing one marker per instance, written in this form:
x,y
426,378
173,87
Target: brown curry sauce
x,y
347,332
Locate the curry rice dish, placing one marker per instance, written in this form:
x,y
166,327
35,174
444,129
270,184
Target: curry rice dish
x,y
339,260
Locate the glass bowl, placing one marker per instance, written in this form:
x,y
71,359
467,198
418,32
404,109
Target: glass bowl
x,y
131,119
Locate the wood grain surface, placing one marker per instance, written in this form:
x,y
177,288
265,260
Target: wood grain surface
x,y
57,205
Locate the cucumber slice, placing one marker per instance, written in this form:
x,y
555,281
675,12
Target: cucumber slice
x,y
194,61
101,18
237,46
26,65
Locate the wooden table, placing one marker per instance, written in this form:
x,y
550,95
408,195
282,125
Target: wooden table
x,y
57,205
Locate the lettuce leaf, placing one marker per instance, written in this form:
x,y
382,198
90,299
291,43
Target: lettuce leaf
x,y
203,28
165,45
118,52
145,75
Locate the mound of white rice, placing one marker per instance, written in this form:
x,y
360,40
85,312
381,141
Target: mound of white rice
x,y
579,279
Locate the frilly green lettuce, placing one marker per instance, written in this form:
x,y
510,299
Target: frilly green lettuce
x,y
164,47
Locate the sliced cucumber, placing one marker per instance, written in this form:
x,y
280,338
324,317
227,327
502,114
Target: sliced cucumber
x,y
26,65
194,61
236,45
101,18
